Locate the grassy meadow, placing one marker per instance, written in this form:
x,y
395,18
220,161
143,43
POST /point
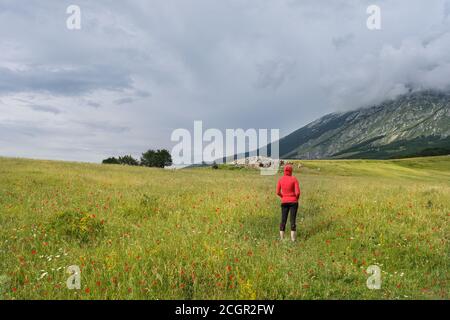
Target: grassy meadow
x,y
141,233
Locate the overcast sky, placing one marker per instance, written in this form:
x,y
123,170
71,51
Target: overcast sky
x,y
137,70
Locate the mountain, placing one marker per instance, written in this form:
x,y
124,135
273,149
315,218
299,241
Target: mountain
x,y
414,124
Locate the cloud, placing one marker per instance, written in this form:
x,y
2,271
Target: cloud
x,y
104,127
248,64
63,80
143,94
123,101
47,109
93,104
273,73
341,41
413,65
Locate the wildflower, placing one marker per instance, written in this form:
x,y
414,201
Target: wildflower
x,y
43,275
33,252
87,290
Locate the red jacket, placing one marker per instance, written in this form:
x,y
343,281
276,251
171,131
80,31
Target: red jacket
x,y
287,187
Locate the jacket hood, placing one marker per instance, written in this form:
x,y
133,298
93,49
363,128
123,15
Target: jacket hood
x,y
288,170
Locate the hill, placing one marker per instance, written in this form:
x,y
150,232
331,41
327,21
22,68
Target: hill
x,y
414,124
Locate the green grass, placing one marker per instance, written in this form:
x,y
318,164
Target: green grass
x,y
140,233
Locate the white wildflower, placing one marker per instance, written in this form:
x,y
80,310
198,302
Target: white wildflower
x,y
43,275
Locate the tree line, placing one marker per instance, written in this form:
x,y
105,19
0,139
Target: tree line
x,y
152,158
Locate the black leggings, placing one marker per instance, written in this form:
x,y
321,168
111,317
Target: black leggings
x,y
285,207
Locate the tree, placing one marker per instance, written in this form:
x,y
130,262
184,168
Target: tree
x,y
111,160
128,160
158,158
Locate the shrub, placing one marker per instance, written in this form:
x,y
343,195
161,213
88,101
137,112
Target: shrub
x,y
128,160
80,226
158,158
111,160
125,160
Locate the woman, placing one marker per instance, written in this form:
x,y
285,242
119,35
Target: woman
x,y
289,192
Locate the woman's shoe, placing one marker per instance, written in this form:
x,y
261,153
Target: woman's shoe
x,y
293,235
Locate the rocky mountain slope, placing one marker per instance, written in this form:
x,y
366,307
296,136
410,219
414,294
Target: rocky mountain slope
x,y
415,124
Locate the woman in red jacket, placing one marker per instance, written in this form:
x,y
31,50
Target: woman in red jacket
x,y
289,192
